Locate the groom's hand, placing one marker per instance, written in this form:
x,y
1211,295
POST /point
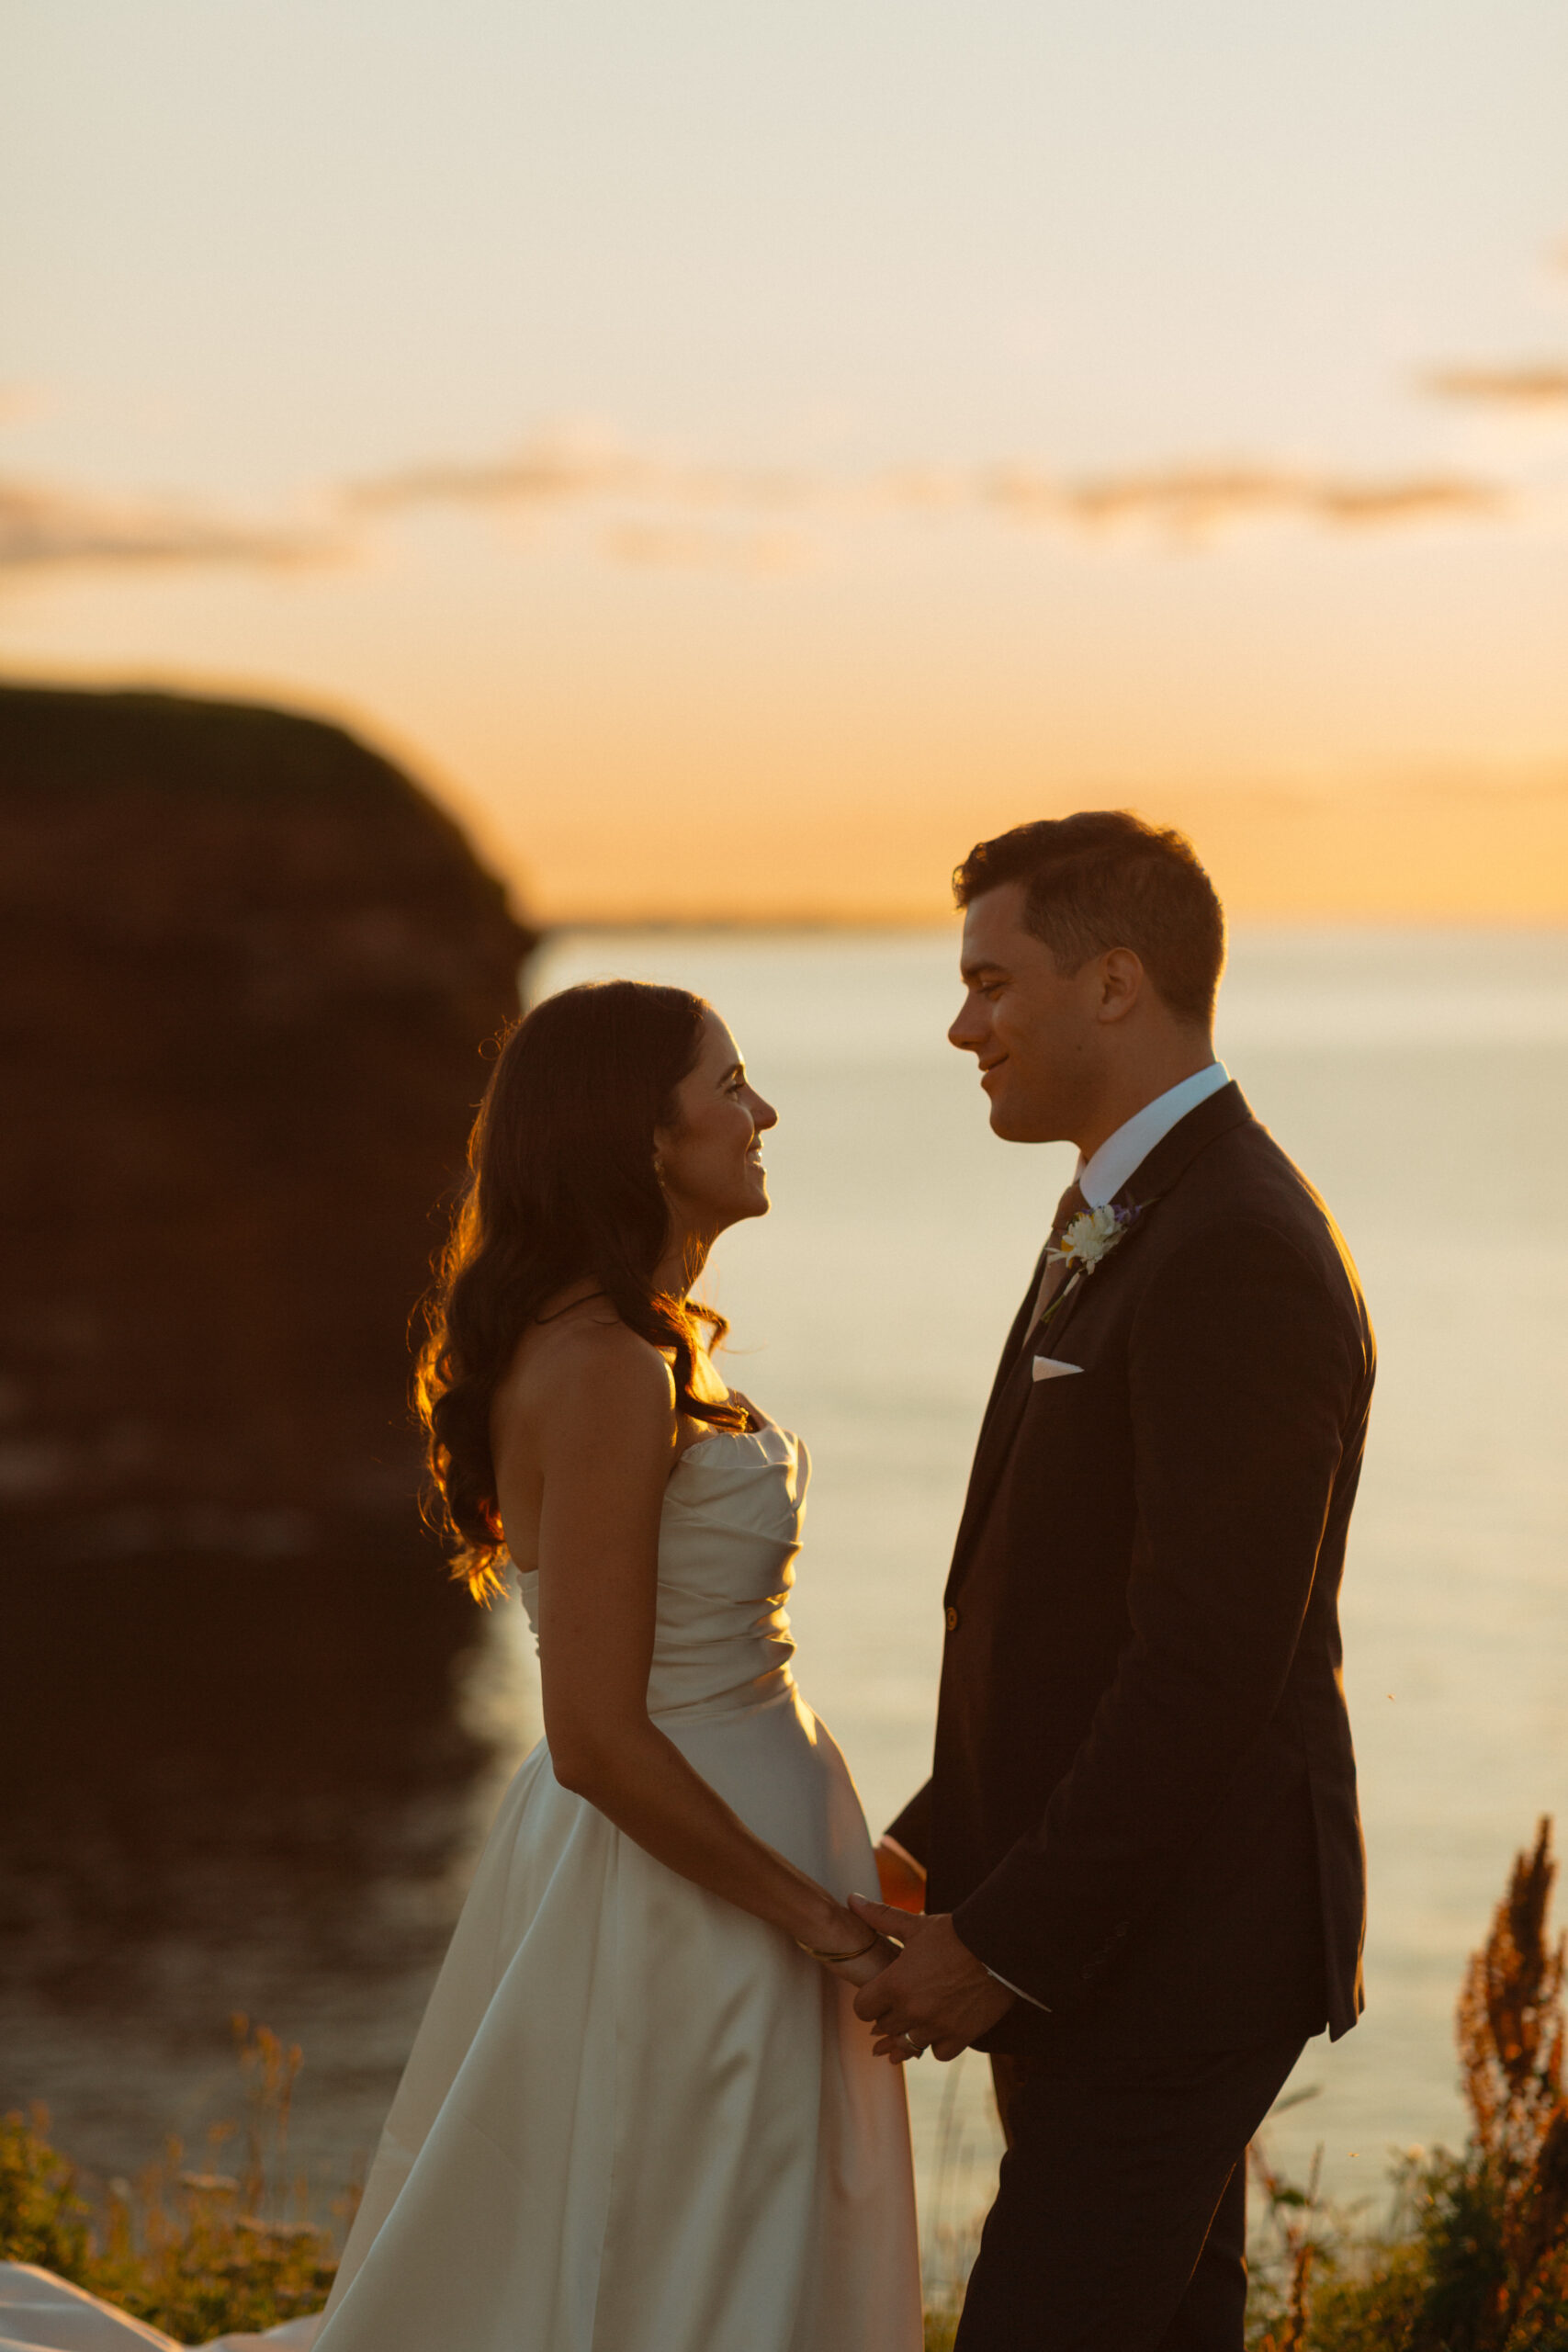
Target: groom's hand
x,y
936,1996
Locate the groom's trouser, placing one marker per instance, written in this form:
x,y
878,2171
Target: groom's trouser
x,y
1119,2223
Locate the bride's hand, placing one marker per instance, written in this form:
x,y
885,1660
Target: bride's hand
x,y
867,1964
900,1877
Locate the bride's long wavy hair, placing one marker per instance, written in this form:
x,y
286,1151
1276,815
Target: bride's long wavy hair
x,y
561,1189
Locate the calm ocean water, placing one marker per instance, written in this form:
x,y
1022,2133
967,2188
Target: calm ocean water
x,y
1421,1080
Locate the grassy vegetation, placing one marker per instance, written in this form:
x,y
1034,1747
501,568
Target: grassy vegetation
x,y
196,2250
1473,2258
1474,2255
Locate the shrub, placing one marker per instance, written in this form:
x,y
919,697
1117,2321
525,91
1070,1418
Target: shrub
x,y
1476,2257
198,2252
42,2219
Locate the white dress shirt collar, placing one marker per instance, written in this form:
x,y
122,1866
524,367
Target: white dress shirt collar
x,y
1122,1155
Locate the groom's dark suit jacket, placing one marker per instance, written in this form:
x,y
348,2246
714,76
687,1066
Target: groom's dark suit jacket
x,y
1144,1797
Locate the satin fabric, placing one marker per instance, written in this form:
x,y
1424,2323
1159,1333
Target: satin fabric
x,y
635,2119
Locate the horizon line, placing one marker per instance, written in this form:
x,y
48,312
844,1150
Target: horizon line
x,y
909,924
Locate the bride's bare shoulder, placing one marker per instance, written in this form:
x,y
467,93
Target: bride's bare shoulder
x,y
588,1368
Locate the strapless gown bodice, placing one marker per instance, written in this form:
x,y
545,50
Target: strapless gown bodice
x,y
729,1533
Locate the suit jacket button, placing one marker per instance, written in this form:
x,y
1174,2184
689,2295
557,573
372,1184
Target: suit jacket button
x,y
952,1615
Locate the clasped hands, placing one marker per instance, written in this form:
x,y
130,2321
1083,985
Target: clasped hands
x,y
935,1995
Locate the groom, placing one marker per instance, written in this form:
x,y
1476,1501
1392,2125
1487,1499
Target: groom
x,y
1138,1867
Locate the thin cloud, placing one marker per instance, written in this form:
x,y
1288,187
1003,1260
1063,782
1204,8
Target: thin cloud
x,y
1532,386
654,501
920,490
1196,502
562,470
754,554
551,472
45,530
754,521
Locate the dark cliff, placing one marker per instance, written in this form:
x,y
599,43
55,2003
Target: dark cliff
x,y
247,970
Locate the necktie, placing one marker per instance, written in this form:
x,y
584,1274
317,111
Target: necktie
x,y
1071,1204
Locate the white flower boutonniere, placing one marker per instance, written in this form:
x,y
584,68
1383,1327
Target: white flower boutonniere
x,y
1092,1236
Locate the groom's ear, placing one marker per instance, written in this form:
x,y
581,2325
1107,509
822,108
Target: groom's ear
x,y
1123,983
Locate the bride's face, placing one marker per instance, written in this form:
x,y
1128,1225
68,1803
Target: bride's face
x,y
710,1159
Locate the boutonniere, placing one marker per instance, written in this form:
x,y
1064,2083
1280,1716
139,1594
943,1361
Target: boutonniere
x,y
1092,1236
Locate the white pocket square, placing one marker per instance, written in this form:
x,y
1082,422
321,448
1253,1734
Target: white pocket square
x,y
1053,1368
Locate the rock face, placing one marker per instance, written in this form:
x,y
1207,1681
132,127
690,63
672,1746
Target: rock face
x,y
249,971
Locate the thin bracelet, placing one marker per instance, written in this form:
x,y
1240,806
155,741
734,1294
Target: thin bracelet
x,y
859,1954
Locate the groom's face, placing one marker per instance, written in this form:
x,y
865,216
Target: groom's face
x,y
1034,1030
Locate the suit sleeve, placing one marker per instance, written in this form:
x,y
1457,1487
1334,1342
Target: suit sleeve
x,y
912,1828
1243,1374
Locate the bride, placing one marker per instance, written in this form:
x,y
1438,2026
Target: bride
x,y
641,2114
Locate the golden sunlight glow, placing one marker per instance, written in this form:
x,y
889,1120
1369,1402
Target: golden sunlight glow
x,y
744,539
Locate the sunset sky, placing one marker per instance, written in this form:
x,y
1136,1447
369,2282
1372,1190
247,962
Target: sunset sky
x,y
740,453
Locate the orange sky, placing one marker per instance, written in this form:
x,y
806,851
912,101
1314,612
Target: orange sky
x,y
739,471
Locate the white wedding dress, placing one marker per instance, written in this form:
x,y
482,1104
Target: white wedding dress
x,y
635,2119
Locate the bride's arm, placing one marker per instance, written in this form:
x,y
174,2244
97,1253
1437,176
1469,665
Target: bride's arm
x,y
602,1431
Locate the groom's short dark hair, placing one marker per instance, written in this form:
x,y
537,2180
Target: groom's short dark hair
x,y
1103,879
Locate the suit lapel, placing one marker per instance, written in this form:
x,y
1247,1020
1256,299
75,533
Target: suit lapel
x,y
1075,1291
1154,1176
1164,1167
996,1411
1168,1163
1017,1334
1011,1394
996,1433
